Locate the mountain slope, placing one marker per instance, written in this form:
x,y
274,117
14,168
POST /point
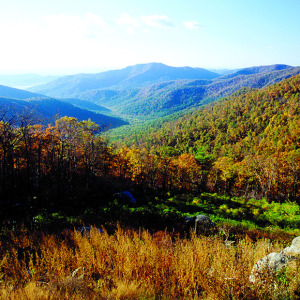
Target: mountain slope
x,y
163,97
127,78
45,110
46,106
168,97
86,105
10,92
244,145
257,70
248,121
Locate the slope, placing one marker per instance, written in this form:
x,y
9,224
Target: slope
x,y
45,110
168,97
257,70
244,145
10,92
243,123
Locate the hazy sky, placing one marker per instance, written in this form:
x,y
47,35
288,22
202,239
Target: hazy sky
x,y
72,36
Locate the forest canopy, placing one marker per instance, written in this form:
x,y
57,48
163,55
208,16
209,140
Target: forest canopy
x,y
244,145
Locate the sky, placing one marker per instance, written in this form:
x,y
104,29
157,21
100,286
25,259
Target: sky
x,y
61,37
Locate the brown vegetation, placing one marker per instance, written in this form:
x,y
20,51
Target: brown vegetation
x,y
135,265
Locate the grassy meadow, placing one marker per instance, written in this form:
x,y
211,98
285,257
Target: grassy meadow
x,y
138,264
147,251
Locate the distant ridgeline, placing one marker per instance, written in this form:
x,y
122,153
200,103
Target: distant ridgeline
x,y
154,90
44,110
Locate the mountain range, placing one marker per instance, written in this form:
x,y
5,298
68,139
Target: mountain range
x,y
144,91
155,90
45,109
130,77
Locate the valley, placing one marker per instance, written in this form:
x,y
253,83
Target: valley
x,y
183,142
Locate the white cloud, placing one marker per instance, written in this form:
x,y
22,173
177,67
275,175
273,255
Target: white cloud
x,y
72,26
157,21
144,23
130,22
192,25
126,19
96,20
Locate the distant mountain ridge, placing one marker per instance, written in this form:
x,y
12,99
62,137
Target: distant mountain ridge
x,y
45,110
128,78
155,90
16,101
10,92
257,70
142,99
164,98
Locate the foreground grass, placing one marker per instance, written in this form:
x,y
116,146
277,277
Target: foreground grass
x,y
135,265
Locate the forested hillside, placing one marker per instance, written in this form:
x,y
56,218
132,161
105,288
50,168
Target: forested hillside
x,y
155,90
165,98
257,70
10,92
246,144
44,110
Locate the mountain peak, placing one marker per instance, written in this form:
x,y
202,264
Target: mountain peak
x,y
128,78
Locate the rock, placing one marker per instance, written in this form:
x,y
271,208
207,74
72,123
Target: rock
x,y
189,220
125,197
294,250
270,265
202,221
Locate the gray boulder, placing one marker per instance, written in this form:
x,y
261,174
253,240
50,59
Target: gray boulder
x,y
189,220
270,265
294,250
202,221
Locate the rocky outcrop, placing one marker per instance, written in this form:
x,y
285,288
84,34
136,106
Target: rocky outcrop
x,y
202,221
270,265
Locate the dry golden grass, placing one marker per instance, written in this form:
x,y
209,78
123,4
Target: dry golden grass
x,y
135,265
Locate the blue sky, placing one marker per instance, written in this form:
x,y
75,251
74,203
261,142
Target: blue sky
x,y
73,36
